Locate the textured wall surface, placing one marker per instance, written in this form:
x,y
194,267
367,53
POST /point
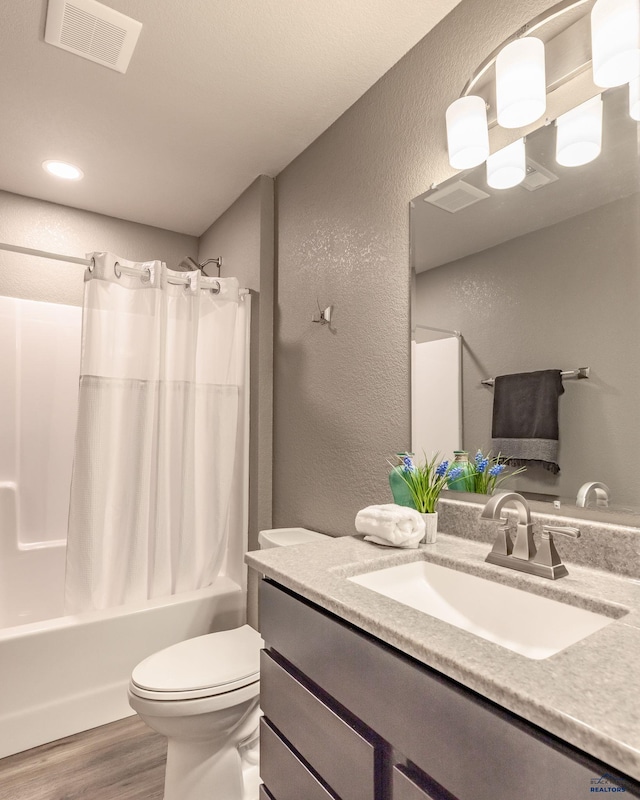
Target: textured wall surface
x,y
39,225
244,237
559,298
342,392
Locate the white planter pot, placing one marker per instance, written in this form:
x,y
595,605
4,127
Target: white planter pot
x,y
431,529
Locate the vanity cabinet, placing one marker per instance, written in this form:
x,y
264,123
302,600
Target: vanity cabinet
x,y
348,717
323,736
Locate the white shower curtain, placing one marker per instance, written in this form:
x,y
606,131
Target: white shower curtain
x,y
160,385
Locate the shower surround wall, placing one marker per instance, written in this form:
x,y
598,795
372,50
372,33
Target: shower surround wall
x,y
39,365
341,391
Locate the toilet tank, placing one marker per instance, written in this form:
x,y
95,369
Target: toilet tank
x,y
280,537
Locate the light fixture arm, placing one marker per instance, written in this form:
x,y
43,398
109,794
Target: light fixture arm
x,y
526,30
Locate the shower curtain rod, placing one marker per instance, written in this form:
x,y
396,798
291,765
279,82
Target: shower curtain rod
x,y
28,251
438,330
86,262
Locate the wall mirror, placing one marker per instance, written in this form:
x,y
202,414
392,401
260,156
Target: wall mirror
x,y
544,275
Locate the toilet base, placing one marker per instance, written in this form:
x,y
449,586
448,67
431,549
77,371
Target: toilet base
x,y
212,746
193,773
251,778
204,770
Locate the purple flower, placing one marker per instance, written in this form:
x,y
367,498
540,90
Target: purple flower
x,y
456,472
482,464
479,457
442,469
496,470
408,464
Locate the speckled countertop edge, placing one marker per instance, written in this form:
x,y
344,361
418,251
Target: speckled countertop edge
x,y
587,694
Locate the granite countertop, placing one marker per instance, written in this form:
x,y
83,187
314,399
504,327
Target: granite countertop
x,y
587,694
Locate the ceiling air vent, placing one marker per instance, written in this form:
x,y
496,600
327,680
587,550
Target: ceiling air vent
x,y
92,30
456,196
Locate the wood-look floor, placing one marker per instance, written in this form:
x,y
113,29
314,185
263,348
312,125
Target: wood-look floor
x,y
120,761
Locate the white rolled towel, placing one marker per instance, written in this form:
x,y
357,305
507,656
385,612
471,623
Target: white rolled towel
x,y
390,524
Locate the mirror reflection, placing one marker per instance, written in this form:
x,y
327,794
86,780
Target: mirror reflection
x,y
544,275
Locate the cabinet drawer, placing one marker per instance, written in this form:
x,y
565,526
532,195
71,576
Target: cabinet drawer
x,y
472,747
284,775
338,753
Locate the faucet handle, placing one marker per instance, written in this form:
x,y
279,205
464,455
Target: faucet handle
x,y
547,554
549,530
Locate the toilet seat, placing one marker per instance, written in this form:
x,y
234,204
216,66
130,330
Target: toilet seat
x,y
206,666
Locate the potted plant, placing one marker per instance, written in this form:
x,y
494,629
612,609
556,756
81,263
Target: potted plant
x,y
484,474
424,483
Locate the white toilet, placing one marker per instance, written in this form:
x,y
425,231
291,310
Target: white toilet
x,y
203,694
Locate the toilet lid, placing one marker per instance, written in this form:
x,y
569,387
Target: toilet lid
x,y
201,667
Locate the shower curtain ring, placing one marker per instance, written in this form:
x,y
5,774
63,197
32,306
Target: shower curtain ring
x,y
92,265
216,289
146,275
116,271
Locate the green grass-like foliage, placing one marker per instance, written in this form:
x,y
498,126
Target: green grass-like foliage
x,y
486,473
425,481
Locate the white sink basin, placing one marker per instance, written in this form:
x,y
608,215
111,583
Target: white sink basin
x,y
534,626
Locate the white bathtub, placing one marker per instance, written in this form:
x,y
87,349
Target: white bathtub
x,y
62,675
65,675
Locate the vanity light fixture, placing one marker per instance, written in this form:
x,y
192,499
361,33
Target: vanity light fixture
x,y
634,99
507,167
63,170
579,134
603,35
615,42
521,89
467,132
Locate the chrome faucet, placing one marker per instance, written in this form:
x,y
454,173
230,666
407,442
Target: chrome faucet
x,y
599,490
522,555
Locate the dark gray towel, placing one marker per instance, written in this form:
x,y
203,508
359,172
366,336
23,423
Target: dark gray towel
x,y
525,418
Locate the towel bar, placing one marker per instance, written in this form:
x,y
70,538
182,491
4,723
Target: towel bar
x,y
580,373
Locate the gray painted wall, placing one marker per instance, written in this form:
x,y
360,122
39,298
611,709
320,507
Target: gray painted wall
x,y
39,225
244,237
563,297
342,392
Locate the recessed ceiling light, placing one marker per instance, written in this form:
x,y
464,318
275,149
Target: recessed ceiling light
x,y
63,170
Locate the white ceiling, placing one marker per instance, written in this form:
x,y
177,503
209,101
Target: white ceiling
x,y
217,93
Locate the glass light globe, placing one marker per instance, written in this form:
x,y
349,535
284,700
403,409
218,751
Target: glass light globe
x,y
507,167
615,41
467,132
579,134
521,90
